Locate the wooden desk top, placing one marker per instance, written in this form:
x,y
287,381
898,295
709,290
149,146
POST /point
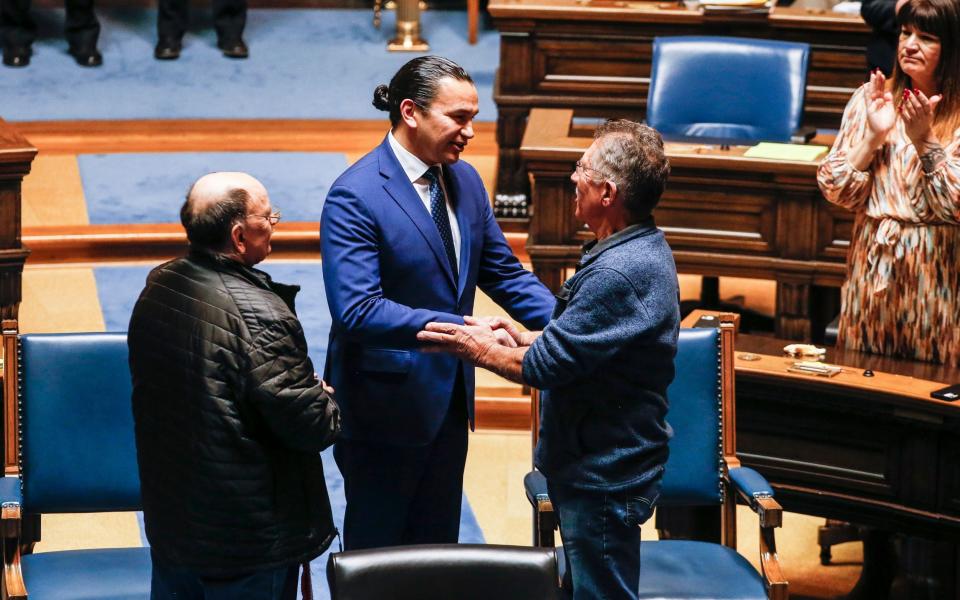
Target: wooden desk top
x,y
903,381
797,16
550,133
14,148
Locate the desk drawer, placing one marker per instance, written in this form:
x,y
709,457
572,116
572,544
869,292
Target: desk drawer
x,y
701,214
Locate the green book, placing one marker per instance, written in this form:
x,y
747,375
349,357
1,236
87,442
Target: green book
x,y
799,152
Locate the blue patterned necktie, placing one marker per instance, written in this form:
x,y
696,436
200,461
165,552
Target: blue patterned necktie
x,y
438,210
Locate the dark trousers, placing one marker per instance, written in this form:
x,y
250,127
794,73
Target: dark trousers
x,y
176,583
17,27
229,18
405,495
601,539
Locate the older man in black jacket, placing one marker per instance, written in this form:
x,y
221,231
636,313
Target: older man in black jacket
x,y
230,416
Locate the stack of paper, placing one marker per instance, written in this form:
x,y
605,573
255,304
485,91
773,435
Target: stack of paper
x,y
800,152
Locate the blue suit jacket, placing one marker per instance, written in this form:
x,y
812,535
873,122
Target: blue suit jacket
x,y
387,276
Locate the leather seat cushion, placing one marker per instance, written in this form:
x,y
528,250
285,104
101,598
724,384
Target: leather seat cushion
x,y
687,570
111,574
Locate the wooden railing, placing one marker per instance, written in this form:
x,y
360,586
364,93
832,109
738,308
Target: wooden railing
x,y
16,156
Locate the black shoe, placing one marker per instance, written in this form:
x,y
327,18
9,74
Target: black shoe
x,y
16,56
234,49
87,57
167,49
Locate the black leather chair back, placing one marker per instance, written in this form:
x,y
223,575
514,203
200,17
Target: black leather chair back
x,y
444,572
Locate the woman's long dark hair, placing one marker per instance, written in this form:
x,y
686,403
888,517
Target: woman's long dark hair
x,y
942,19
417,80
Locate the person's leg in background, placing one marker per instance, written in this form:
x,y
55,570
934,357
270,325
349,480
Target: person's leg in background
x,y
82,30
173,16
230,17
17,32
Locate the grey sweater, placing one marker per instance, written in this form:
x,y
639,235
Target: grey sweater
x,y
604,363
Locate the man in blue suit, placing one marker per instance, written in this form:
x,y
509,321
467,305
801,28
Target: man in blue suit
x,y
407,236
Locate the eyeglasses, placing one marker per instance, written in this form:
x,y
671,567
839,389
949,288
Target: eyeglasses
x,y
273,218
600,175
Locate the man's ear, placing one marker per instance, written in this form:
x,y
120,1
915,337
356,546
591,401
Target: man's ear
x,y
238,238
408,111
609,193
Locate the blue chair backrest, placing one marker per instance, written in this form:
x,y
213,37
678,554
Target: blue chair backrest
x,y
744,90
77,446
692,475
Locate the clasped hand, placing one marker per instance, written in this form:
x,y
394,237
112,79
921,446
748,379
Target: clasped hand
x,y
472,340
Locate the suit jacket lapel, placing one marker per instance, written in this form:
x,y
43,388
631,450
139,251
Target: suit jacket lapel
x,y
398,186
461,202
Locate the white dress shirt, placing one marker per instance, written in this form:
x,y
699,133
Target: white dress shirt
x,y
415,170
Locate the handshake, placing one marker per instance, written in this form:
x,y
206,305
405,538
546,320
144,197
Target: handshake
x,y
494,343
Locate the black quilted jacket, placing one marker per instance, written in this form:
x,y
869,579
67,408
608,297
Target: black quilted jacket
x,y
229,419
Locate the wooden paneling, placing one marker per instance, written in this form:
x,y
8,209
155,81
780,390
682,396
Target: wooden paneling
x,y
16,154
595,57
84,244
723,214
212,135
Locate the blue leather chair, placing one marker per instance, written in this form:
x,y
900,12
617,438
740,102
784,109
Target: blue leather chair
x,y
76,454
736,89
702,470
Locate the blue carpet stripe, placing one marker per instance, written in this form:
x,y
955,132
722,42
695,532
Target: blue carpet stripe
x,y
118,288
150,187
304,64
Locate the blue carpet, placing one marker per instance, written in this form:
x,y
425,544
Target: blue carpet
x,y
118,288
309,64
149,188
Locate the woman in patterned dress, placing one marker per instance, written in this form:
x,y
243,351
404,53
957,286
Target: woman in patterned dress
x,y
896,164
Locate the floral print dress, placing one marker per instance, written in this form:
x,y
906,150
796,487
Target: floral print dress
x,y
902,292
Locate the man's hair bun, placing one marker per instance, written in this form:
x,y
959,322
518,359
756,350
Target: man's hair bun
x,y
381,98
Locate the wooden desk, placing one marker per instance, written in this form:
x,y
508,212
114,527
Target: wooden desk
x,y
723,214
873,451
594,56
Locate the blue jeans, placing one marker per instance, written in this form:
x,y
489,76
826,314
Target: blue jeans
x,y
601,538
171,582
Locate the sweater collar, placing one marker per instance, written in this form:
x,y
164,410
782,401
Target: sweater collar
x,y
594,248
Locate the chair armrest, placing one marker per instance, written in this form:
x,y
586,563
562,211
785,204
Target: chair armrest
x,y
803,135
544,519
758,494
750,483
10,490
11,500
535,484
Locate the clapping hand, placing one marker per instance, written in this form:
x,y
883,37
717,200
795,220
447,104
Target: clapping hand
x,y
916,110
881,115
